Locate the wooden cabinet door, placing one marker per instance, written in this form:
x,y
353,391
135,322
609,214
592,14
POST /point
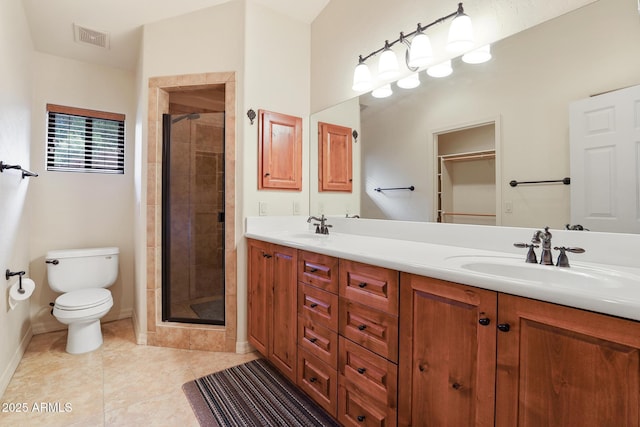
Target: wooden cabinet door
x,y
259,288
559,366
335,165
282,306
279,151
447,354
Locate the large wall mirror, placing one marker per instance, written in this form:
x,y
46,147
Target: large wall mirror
x,y
524,92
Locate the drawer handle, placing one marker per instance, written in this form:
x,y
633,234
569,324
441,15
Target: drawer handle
x,y
361,418
362,284
313,379
266,255
313,340
362,327
361,370
313,270
313,305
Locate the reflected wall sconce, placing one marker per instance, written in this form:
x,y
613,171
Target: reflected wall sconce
x,y
419,54
354,134
252,115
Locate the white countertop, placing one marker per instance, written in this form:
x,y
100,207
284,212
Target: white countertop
x,y
600,287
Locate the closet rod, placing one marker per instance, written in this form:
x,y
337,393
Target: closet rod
x,y
468,157
565,181
410,188
25,173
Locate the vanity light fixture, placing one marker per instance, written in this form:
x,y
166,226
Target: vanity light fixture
x,y
419,52
383,91
442,69
478,56
409,82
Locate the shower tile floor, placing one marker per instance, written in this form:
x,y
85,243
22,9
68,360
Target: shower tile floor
x,y
120,384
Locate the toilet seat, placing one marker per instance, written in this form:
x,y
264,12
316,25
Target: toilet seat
x,y
83,299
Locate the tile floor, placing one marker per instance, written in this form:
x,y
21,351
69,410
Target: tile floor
x,y
120,384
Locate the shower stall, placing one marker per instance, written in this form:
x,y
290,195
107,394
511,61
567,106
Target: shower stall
x,y
193,234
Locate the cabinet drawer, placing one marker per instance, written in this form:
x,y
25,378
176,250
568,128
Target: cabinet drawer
x,y
318,306
370,328
319,341
318,270
375,287
355,409
367,371
318,380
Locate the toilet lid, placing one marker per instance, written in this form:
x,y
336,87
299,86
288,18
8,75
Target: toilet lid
x,y
83,299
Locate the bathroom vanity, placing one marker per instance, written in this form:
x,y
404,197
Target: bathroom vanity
x,y
402,329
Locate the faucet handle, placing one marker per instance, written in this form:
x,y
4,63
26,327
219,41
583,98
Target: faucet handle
x,y
563,260
531,254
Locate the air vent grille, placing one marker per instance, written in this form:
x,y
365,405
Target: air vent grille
x,y
93,37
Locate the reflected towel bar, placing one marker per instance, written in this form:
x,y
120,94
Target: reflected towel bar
x,y
565,181
25,173
411,188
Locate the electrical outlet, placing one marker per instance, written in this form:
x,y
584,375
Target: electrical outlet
x,y
262,208
508,207
296,207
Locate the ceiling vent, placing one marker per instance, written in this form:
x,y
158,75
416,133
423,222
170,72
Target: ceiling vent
x,y
93,37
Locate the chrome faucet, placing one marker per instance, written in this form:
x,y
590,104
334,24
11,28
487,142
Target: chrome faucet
x,y
322,227
544,237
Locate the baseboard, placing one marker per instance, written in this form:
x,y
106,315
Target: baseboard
x,y
15,361
53,325
243,347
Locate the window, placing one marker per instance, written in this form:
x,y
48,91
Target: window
x,y
80,140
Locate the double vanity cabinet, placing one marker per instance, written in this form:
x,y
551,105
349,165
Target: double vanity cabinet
x,y
379,347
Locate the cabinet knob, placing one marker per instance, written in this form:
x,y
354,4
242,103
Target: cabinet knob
x,y
313,379
456,386
361,370
313,340
484,321
504,327
362,284
362,327
313,305
313,270
360,418
267,174
266,255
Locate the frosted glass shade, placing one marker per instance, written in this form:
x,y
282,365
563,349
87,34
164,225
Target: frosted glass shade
x,y
421,52
388,65
362,81
442,69
382,92
409,82
460,34
478,56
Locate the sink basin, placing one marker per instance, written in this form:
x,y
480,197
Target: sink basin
x,y
578,277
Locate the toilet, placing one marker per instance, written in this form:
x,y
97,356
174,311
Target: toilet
x,y
82,276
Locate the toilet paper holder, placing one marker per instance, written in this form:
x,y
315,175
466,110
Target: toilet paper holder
x,y
10,273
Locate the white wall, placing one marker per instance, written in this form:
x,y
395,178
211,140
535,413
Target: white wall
x,y
79,210
346,29
15,137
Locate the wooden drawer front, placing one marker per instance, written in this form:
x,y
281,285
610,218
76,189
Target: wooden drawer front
x,y
372,329
318,270
318,306
318,380
355,409
319,341
375,287
367,371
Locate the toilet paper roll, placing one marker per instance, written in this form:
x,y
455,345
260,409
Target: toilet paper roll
x,y
28,286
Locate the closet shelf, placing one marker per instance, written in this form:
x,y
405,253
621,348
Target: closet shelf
x,y
465,214
471,155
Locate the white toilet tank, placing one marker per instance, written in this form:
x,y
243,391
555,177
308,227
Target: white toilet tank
x,y
73,269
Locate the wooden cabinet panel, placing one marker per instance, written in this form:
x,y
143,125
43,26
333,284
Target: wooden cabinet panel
x,y
319,341
335,165
372,329
318,305
447,353
356,410
272,300
318,380
559,366
259,288
374,375
279,151
321,271
375,287
282,305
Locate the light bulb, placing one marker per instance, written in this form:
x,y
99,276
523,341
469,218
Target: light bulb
x,y
362,81
478,56
388,65
409,82
420,53
382,92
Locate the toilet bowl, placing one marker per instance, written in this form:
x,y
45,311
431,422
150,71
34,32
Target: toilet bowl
x,y
83,276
